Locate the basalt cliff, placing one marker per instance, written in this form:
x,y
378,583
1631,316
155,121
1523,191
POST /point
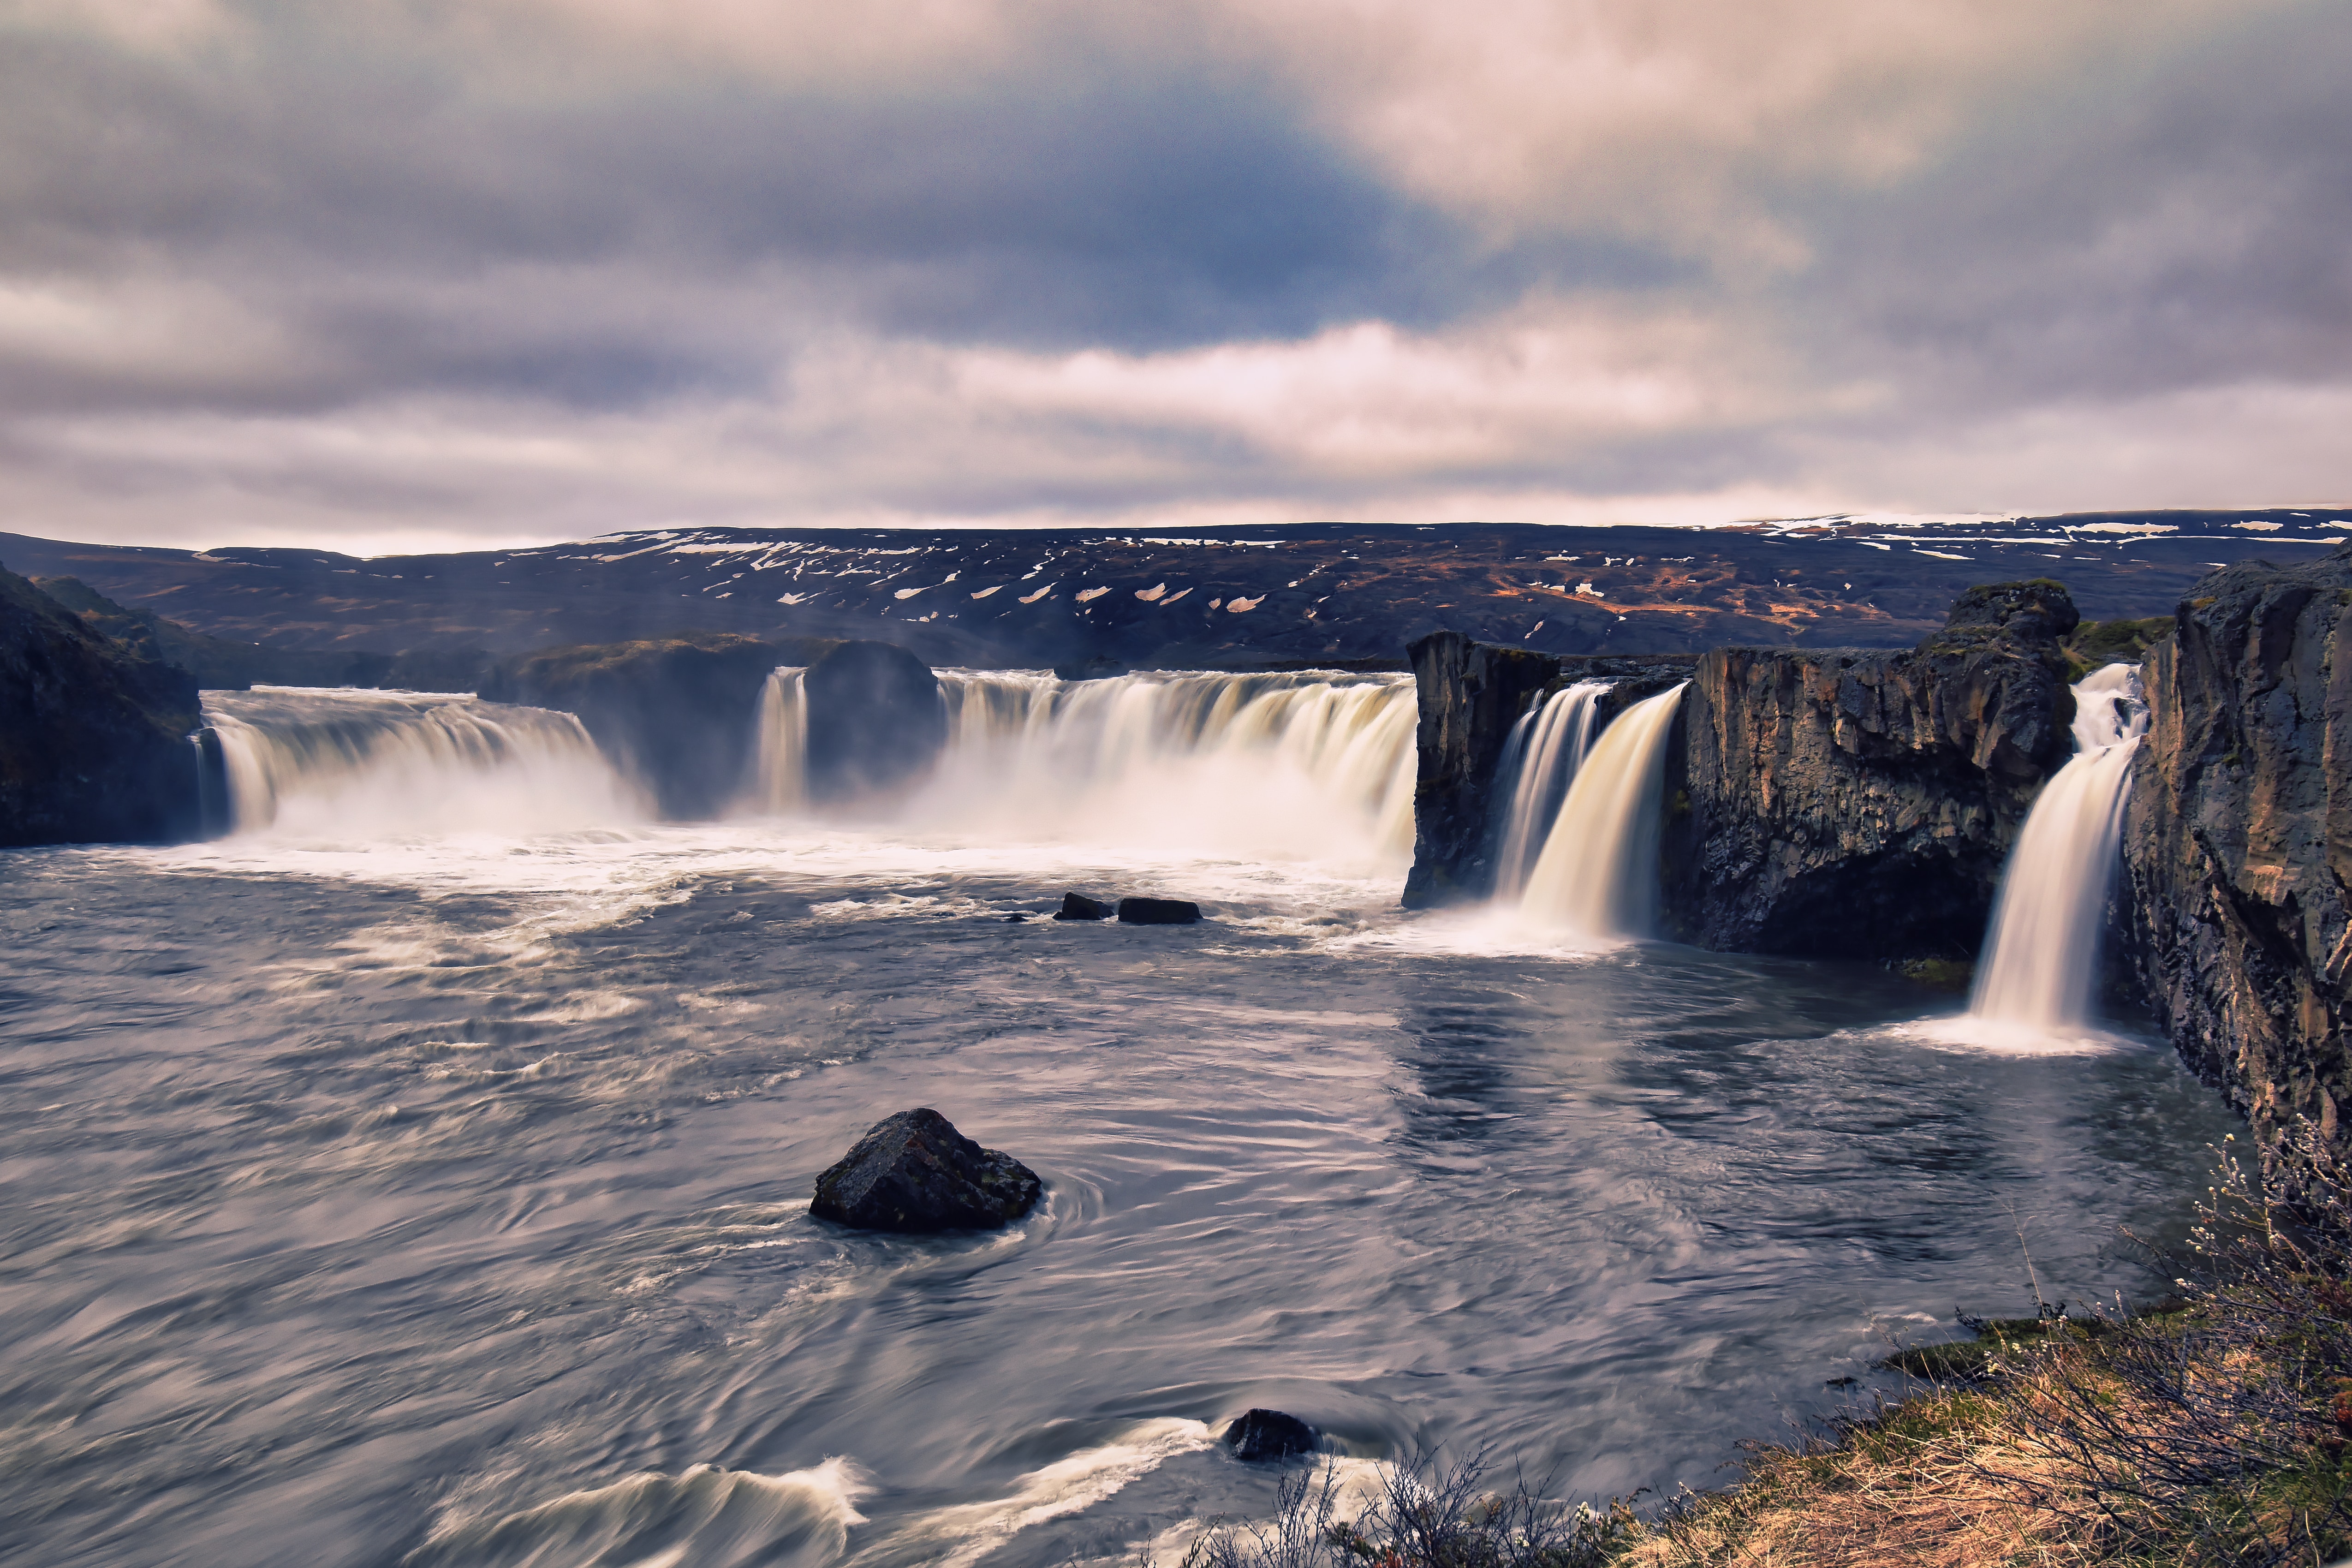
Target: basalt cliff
x,y
95,738
1864,803
2238,839
1846,802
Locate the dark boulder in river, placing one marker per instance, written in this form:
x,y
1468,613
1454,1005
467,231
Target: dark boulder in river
x,y
1269,1435
2238,840
1850,803
1158,912
915,1173
1078,907
876,720
94,736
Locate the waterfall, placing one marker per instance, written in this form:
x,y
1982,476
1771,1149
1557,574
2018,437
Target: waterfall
x,y
346,763
2043,954
1540,759
780,763
1311,765
1598,873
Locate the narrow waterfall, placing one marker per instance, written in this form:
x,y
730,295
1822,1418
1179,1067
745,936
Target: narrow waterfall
x,y
1540,759
1598,873
780,762
364,764
2042,956
1311,765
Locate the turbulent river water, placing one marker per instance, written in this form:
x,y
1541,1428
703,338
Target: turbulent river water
x,y
384,1191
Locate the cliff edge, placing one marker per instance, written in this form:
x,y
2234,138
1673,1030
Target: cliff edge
x,y
2238,838
1852,804
94,742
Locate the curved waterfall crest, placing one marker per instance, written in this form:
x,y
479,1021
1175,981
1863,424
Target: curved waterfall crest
x,y
2040,959
1304,765
364,763
1597,874
1539,761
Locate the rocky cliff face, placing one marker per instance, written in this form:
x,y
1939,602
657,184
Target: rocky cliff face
x,y
1863,805
874,720
94,737
678,714
1471,693
2238,838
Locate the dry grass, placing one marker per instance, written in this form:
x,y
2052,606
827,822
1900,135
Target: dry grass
x,y
2216,1433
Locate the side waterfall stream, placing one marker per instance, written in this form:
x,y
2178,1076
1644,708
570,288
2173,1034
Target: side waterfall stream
x,y
418,1175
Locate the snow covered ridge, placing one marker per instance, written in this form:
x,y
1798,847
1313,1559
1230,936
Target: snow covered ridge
x,y
1198,598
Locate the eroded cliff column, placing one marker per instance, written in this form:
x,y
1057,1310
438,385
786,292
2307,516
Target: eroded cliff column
x,y
2238,838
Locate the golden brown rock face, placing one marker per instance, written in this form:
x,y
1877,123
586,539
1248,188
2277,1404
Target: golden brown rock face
x,y
2238,838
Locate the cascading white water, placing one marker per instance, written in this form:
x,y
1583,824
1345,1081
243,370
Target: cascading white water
x,y
364,764
2043,955
1598,873
1311,766
1539,761
780,779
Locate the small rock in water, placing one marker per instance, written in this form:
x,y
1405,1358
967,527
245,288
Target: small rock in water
x,y
1078,907
1159,912
1014,918
1269,1435
914,1173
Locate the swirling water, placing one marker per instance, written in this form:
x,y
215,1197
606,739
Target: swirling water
x,y
438,1198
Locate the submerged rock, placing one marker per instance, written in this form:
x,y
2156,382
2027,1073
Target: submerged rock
x,y
1158,912
2238,840
913,1173
1269,1435
1078,907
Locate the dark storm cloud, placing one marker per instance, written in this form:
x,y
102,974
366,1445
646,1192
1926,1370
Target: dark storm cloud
x,y
559,265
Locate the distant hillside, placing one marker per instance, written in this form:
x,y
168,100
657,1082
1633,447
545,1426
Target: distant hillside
x,y
1295,592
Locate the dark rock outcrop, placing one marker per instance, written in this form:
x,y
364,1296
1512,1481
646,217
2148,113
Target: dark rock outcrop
x,y
1269,1435
219,663
1862,803
679,714
1078,907
915,1173
876,720
2238,839
94,736
1158,912
1471,693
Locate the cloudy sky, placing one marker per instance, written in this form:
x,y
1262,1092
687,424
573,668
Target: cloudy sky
x,y
412,273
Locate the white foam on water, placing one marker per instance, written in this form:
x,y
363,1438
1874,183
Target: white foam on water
x,y
707,1515
966,1532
